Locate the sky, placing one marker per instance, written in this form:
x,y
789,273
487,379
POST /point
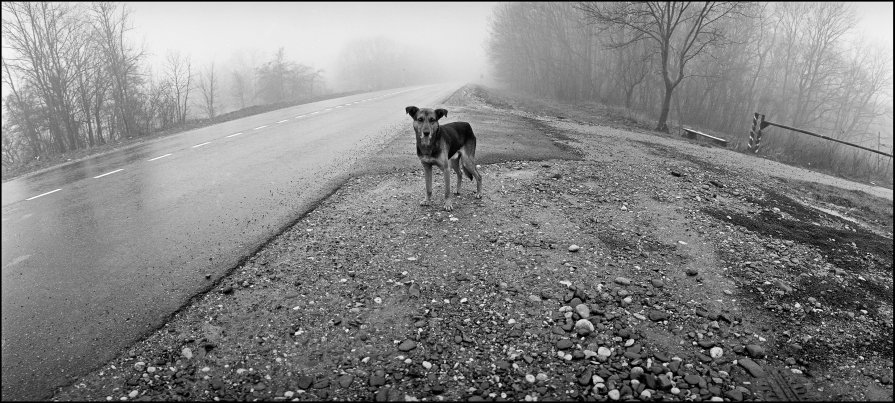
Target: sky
x,y
310,33
314,33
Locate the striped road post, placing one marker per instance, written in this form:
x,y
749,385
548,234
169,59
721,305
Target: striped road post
x,y
755,134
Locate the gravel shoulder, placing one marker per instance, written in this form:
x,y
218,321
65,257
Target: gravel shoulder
x,y
601,263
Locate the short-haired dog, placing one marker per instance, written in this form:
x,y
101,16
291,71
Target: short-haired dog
x,y
437,144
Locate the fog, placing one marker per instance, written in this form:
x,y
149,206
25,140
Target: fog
x,y
447,38
77,75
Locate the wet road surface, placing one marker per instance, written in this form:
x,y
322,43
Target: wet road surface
x,y
97,253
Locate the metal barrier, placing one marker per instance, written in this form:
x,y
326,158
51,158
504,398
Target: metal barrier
x,y
758,124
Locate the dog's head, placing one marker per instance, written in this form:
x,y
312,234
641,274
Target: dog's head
x,y
425,123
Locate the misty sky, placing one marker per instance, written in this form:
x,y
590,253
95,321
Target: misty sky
x,y
314,33
311,33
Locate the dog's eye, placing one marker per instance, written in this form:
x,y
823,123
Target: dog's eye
x,y
431,120
420,119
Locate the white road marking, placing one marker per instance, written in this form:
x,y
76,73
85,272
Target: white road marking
x,y
17,260
283,121
259,127
235,134
108,173
200,145
314,113
44,194
328,109
299,116
156,158
339,106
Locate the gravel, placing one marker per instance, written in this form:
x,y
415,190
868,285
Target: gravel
x,y
285,324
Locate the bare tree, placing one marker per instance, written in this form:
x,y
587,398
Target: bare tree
x,y
680,31
45,39
208,87
180,76
111,23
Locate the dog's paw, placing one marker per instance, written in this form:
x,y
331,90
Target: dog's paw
x,y
477,195
448,205
426,202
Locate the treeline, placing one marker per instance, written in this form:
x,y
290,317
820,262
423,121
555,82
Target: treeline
x,y
75,80
710,65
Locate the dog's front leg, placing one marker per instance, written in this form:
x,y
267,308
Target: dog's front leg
x,y
428,170
448,200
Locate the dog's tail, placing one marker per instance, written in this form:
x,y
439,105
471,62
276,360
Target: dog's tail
x,y
469,150
468,174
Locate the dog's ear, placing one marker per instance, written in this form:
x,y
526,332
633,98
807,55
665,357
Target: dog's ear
x,y
440,113
412,110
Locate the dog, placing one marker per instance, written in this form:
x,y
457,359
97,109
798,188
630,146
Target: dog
x,y
437,144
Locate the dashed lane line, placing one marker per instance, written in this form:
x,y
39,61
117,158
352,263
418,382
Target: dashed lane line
x,y
200,145
158,158
259,127
283,121
108,173
235,134
43,194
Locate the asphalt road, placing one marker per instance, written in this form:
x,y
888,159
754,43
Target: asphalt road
x,y
98,253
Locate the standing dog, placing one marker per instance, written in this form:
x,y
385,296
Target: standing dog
x,y
436,145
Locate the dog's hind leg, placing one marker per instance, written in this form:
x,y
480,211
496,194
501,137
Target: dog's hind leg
x,y
467,157
455,165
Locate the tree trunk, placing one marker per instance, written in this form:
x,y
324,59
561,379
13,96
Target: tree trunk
x,y
662,126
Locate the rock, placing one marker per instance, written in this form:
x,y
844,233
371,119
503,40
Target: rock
x,y
657,283
227,290
375,380
407,345
414,290
656,315
534,298
321,384
583,310
574,248
563,344
716,352
752,367
304,382
676,174
661,356
636,372
692,272
614,394
542,377
646,395
693,379
783,286
734,395
623,280
604,352
530,378
133,394
585,377
217,384
187,353
346,380
755,351
583,327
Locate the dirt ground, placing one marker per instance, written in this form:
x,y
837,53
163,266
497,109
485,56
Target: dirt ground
x,y
604,262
